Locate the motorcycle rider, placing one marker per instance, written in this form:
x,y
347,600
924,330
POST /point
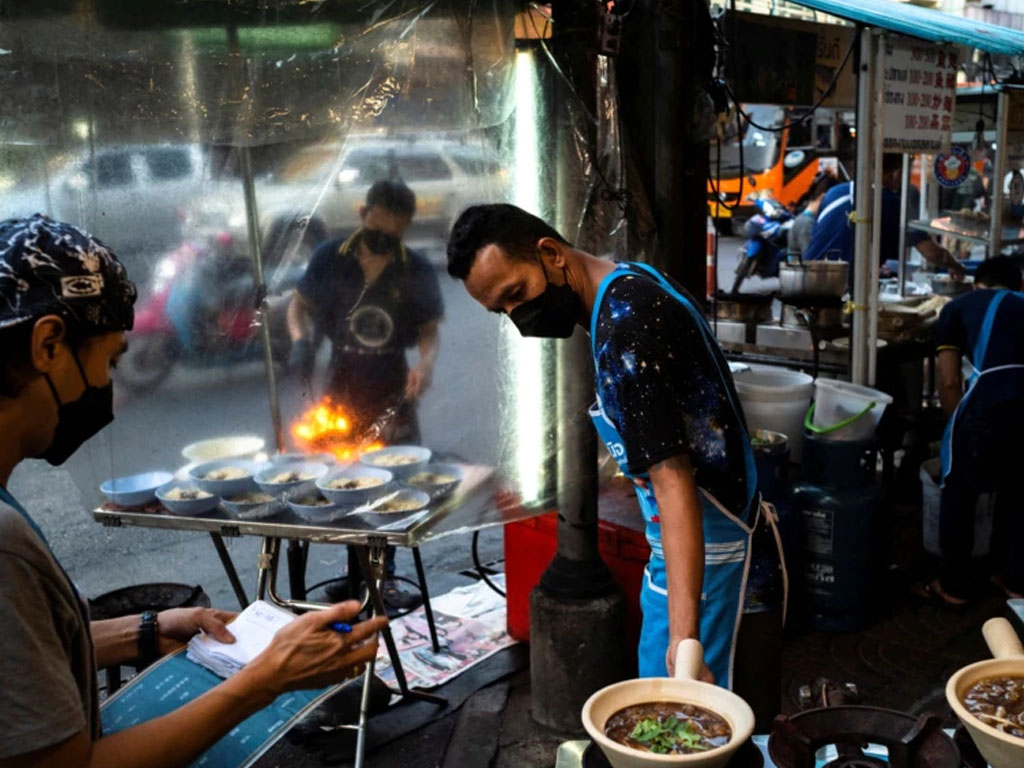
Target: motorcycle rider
x,y
800,233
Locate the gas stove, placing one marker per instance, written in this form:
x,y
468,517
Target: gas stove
x,y
910,742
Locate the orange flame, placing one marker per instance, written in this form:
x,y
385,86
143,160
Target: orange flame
x,y
326,427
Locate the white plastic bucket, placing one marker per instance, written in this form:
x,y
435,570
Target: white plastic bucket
x,y
845,411
931,500
776,399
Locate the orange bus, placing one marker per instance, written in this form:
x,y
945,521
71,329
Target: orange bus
x,y
781,163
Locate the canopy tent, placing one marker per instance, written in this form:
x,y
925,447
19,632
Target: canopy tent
x,y
923,23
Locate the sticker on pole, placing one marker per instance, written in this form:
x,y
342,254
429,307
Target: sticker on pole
x,y
919,96
952,168
1016,190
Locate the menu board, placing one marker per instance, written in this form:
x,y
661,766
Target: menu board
x,y
174,680
919,97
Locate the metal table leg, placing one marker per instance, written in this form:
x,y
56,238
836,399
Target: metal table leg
x,y
298,551
229,568
427,609
371,558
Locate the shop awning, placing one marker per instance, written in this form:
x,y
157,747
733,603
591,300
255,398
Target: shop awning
x,y
924,23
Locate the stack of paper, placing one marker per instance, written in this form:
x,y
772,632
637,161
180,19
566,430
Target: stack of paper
x,y
253,629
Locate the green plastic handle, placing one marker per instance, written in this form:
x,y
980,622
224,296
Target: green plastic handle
x,y
808,419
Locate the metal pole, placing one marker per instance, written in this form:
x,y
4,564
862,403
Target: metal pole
x,y
904,204
862,203
874,266
262,310
998,172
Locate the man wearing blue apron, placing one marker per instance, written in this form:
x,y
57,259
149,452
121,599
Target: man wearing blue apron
x,y
981,447
667,411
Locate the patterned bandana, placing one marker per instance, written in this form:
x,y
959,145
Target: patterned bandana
x,y
49,267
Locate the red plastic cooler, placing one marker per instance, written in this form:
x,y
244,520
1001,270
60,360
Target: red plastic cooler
x,y
530,546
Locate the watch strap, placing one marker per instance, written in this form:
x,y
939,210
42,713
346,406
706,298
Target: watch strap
x,y
148,637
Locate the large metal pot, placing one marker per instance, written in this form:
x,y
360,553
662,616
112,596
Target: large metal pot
x,y
823,318
743,308
813,280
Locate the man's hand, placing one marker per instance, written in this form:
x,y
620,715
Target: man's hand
x,y
307,653
178,625
956,269
303,360
417,381
670,662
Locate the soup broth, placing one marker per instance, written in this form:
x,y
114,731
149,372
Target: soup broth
x,y
999,702
668,728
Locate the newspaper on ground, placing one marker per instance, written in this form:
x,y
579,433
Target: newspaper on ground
x,y
471,626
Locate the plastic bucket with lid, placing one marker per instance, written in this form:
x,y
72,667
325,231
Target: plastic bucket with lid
x,y
845,411
776,399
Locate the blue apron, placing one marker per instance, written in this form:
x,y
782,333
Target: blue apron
x,y
978,360
727,535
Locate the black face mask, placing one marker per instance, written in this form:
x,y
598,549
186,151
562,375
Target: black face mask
x,y
381,243
79,420
552,314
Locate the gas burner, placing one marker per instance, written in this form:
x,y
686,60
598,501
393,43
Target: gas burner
x,y
747,756
857,761
911,742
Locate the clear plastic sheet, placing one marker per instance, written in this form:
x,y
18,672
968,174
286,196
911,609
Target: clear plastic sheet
x,y
136,123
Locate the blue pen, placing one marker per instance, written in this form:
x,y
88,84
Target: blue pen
x,y
342,627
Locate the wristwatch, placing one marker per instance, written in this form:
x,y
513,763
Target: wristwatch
x,y
147,637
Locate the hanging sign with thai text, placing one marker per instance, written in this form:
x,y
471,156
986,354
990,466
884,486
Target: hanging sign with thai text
x,y
919,97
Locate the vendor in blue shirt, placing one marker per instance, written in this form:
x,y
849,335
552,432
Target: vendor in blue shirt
x,y
981,449
832,235
373,298
668,413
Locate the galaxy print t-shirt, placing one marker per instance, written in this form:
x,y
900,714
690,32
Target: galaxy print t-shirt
x,y
662,386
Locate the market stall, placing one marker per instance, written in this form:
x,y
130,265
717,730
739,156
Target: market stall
x,y
255,132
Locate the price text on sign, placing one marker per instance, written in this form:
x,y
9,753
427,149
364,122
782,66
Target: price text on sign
x,y
919,98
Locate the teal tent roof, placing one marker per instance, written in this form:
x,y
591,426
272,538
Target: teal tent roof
x,y
925,23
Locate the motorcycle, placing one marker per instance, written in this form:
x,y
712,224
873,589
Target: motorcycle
x,y
767,233
200,310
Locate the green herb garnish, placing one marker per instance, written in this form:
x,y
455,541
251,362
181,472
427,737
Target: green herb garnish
x,y
664,736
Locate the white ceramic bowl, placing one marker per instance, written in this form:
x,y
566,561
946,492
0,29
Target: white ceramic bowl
x,y
370,516
353,497
400,471
683,688
312,513
252,510
135,490
299,458
236,447
437,491
310,470
186,507
199,475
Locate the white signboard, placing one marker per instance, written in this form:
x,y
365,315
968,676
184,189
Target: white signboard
x,y
920,89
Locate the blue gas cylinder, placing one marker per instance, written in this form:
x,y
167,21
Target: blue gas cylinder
x,y
838,463
840,560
